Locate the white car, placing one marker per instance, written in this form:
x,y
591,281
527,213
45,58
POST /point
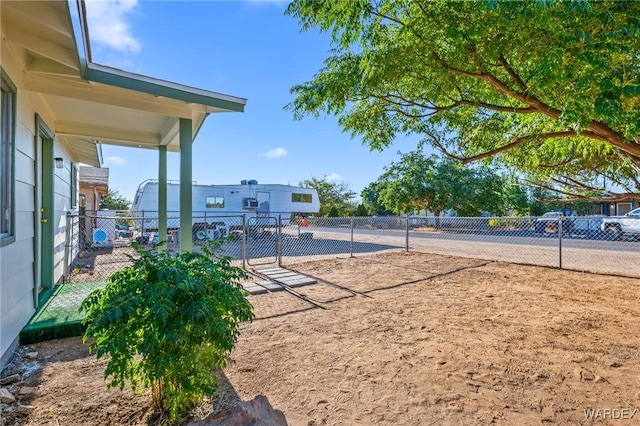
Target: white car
x,y
619,226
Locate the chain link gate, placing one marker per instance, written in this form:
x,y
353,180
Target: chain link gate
x,y
262,240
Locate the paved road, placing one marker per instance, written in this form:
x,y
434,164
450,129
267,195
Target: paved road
x,y
578,252
527,238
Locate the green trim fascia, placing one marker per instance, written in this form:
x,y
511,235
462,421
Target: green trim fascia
x,y
157,89
14,110
79,28
106,75
99,152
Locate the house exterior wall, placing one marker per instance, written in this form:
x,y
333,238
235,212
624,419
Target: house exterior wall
x,y
18,267
619,208
91,205
62,205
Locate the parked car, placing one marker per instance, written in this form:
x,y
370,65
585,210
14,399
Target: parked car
x,y
588,226
619,226
548,222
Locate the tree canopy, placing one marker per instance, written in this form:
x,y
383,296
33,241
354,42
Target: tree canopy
x,y
372,201
417,182
114,201
335,197
548,88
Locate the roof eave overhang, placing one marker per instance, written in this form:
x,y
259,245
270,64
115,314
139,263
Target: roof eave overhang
x,y
119,78
194,103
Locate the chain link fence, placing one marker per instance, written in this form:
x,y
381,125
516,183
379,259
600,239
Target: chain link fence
x,y
100,243
576,243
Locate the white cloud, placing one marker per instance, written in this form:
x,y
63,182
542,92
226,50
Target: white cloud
x,y
116,161
334,177
275,153
108,24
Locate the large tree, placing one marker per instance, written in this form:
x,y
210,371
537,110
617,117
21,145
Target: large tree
x,y
371,199
114,201
550,88
335,197
417,182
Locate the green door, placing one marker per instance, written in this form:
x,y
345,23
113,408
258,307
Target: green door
x,y
45,204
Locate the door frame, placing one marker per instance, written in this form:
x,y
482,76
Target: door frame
x,y
261,195
626,204
44,207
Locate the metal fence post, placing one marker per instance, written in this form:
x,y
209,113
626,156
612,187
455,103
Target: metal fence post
x,y
407,242
244,241
560,242
351,243
279,241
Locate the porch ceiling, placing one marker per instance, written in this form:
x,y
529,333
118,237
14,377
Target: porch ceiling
x,y
95,104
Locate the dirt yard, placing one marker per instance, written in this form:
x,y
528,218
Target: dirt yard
x,y
401,339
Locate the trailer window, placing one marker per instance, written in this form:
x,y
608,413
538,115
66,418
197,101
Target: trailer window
x,y
215,202
301,198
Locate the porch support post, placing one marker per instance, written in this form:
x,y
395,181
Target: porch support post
x,y
162,194
186,179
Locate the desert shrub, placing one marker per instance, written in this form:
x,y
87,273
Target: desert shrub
x,y
166,322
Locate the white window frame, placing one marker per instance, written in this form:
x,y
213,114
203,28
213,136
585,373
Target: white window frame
x,y
301,198
215,202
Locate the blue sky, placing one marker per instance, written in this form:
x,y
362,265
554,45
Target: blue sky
x,y
248,49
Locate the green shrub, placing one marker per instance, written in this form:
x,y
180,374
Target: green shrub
x,y
495,222
333,212
361,211
166,322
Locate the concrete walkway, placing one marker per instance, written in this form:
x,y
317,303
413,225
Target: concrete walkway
x,y
278,280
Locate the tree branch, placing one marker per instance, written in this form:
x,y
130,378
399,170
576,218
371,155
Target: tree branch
x,y
455,104
597,130
519,141
552,189
499,108
513,74
560,164
406,114
572,183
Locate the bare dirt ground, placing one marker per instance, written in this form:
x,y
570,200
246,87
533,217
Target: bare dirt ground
x,y
402,339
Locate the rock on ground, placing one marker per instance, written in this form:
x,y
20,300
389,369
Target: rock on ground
x,y
258,412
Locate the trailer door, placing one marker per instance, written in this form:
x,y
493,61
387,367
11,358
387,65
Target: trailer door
x,y
264,201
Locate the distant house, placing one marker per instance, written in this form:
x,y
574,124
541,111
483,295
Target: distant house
x,y
92,183
57,109
621,206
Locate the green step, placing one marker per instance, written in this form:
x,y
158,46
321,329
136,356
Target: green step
x,y
58,316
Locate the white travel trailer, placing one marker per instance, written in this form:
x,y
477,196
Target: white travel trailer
x,y
217,208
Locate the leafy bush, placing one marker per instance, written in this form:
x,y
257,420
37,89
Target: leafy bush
x,y
167,322
333,212
361,211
